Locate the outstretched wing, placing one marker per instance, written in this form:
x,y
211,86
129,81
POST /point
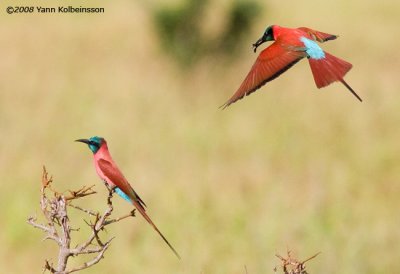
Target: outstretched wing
x,y
117,178
272,62
319,36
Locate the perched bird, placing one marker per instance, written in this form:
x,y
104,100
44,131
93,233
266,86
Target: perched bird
x,y
109,172
290,46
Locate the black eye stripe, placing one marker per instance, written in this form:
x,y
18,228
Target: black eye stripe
x,y
94,144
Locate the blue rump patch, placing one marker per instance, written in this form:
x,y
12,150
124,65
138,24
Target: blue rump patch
x,y
313,50
122,194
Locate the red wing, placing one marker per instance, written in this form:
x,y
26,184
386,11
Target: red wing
x,y
272,62
115,175
319,36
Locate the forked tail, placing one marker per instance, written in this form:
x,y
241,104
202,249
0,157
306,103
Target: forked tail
x,y
329,69
144,214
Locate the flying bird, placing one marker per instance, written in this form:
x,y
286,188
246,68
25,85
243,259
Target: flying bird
x,y
290,46
109,172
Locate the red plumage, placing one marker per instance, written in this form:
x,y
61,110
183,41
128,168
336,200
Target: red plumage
x,y
328,69
271,63
109,171
286,51
318,35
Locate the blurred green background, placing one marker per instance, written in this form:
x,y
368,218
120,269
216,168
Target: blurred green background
x,y
290,166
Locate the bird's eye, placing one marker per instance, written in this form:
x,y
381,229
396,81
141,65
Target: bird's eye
x,y
94,144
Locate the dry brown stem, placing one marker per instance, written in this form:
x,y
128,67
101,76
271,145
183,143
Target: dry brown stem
x,y
291,265
57,226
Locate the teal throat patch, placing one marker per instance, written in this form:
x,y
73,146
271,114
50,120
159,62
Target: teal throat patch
x,y
313,50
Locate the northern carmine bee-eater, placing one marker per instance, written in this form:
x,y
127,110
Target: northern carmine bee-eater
x,y
290,46
109,172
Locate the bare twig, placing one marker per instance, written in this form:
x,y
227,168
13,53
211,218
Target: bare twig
x,y
131,214
94,261
87,211
57,226
84,191
291,265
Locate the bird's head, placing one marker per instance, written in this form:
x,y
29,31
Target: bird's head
x,y
94,143
267,36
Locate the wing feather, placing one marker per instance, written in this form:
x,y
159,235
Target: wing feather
x,y
112,172
319,36
272,62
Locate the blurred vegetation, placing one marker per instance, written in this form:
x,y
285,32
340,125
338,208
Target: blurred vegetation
x,y
180,29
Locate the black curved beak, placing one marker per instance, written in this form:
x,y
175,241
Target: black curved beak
x,y
86,141
258,43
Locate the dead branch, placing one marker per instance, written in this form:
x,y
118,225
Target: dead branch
x,y
57,225
84,191
291,265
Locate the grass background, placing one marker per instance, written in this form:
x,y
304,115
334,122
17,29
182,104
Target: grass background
x,y
289,166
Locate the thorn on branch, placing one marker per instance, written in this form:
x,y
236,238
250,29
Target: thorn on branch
x,y
130,214
45,178
57,225
291,265
83,192
49,267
